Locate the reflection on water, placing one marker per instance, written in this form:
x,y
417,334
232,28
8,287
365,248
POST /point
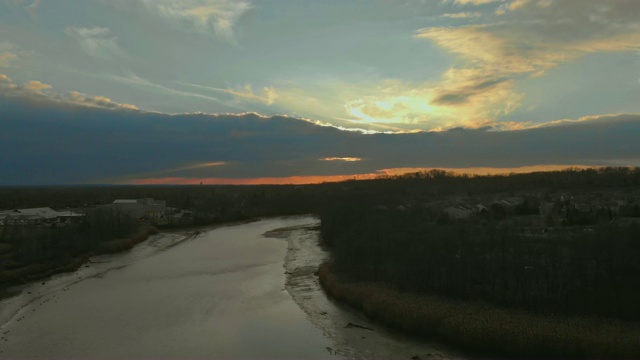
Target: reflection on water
x,y
219,294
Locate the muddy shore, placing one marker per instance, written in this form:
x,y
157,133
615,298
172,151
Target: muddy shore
x,y
354,335
43,271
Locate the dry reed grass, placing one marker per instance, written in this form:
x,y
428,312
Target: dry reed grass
x,y
486,329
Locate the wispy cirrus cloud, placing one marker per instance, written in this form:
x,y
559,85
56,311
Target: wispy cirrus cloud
x,y
9,53
137,81
32,9
200,16
267,96
6,58
97,42
30,6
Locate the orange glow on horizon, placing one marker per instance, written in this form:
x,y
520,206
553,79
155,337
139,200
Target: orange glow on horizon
x,y
318,179
289,180
488,170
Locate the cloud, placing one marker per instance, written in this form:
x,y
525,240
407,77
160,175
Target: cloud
x,y
166,173
97,42
8,53
6,58
268,96
461,15
347,159
36,86
36,91
130,146
78,98
462,97
475,2
6,83
30,6
201,16
32,89
530,38
32,9
137,81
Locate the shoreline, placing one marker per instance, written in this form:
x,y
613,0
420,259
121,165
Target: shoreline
x,y
354,336
486,329
37,271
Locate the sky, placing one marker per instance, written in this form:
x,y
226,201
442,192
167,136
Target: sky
x,y
291,91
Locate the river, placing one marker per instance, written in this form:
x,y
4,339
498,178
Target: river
x,y
239,291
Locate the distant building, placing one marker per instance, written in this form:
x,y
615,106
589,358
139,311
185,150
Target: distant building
x,y
37,216
147,208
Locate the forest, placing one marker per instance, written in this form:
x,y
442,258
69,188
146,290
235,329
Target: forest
x,y
394,230
28,252
569,262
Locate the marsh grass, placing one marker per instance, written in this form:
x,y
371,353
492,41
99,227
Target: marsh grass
x,y
487,329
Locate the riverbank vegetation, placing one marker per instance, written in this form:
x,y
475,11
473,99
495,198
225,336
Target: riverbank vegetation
x,y
541,271
29,253
486,329
566,270
559,248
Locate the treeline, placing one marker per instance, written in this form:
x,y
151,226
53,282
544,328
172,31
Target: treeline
x,y
570,178
23,248
264,199
569,271
275,199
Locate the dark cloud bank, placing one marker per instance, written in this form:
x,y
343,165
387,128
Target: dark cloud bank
x,y
49,143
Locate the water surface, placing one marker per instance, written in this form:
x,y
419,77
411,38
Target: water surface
x,y
216,294
241,291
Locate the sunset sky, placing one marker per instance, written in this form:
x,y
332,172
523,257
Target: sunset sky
x,y
293,91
